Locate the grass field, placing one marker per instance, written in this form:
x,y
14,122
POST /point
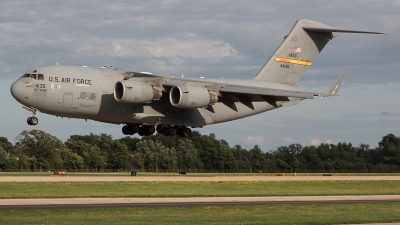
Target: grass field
x,y
189,174
267,214
196,189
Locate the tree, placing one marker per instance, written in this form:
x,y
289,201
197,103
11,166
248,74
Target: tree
x,y
3,158
92,139
243,157
168,141
215,154
389,149
117,154
92,155
187,155
71,160
6,146
288,157
41,147
310,159
155,155
130,142
260,160
8,160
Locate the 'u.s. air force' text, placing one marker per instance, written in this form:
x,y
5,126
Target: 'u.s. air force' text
x,y
70,80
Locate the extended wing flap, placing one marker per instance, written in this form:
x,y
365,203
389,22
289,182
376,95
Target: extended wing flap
x,y
330,30
267,91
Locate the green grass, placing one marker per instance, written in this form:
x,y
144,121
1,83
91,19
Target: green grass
x,y
33,174
266,214
196,189
189,174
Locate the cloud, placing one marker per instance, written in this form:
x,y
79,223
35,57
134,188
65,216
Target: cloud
x,y
317,141
389,115
289,140
193,47
254,140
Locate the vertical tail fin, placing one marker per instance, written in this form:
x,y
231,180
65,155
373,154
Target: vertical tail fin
x,y
298,51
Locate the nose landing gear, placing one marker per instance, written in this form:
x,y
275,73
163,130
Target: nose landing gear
x,y
33,121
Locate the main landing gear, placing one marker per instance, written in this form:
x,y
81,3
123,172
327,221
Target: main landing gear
x,y
131,129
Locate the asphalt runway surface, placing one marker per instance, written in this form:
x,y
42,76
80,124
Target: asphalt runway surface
x,y
88,203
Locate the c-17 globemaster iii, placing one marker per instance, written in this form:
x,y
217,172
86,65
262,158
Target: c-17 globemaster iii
x,y
144,102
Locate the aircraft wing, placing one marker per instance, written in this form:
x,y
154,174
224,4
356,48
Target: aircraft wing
x,y
231,88
235,91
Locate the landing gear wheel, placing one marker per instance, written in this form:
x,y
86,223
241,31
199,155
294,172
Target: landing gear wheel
x,y
160,129
141,131
125,130
133,129
150,130
165,131
33,121
171,131
186,132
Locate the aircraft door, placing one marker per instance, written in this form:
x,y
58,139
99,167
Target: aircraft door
x,y
27,88
67,100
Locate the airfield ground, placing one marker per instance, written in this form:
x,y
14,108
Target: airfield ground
x,y
59,178
296,209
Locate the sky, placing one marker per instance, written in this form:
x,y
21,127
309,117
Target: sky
x,y
214,39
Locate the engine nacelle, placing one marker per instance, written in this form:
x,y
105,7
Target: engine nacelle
x,y
191,97
127,91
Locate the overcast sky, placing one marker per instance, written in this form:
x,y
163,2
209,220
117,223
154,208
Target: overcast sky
x,y
214,39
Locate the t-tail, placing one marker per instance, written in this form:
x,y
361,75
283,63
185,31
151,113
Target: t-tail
x,y
298,51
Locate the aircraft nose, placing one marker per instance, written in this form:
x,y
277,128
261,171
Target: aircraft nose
x,y
16,89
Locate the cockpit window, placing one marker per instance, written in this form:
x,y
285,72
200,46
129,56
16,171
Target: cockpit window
x,y
34,76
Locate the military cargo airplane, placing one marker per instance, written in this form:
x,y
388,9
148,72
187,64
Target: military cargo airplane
x,y
146,103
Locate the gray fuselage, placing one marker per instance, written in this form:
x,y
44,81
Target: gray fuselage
x,y
88,93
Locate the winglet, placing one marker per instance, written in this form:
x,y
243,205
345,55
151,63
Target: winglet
x,y
334,90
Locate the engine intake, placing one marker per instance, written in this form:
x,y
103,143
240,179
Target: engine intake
x,y
135,92
191,97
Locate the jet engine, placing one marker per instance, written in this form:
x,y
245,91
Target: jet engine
x,y
183,96
135,92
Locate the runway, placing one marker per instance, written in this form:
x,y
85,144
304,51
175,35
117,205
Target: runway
x,y
88,203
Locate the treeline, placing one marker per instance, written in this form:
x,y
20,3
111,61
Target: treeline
x,y
36,150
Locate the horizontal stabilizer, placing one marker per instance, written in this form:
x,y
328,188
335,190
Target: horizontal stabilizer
x,y
329,30
334,90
